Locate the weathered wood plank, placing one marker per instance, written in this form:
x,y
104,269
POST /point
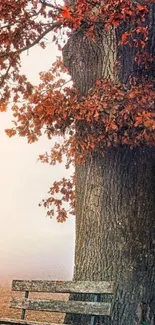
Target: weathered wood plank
x,y
72,307
97,287
34,286
25,322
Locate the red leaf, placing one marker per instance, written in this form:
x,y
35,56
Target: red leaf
x,y
66,12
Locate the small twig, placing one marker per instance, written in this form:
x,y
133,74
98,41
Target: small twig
x,y
50,5
66,82
57,24
5,75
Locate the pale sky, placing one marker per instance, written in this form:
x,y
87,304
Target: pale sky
x,y
31,244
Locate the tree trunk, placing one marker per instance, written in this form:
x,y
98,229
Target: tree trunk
x,y
115,228
115,193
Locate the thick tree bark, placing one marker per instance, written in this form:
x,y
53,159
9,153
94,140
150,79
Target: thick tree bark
x,y
87,60
115,193
115,227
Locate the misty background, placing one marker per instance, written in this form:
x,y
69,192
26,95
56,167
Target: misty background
x,y
31,244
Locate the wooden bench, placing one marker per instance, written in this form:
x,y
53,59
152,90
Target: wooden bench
x,y
92,308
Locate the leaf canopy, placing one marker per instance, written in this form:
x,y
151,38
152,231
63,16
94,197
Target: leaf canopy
x,y
111,114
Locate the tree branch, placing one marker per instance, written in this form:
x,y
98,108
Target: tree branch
x,y
49,5
5,75
57,24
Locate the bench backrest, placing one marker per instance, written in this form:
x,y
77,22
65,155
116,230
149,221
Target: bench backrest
x,y
72,307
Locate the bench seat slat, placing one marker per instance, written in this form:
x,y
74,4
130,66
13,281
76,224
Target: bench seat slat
x,y
75,307
25,322
96,287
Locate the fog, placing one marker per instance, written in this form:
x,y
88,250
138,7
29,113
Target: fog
x,y
31,245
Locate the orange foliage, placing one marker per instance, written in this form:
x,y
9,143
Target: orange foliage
x,y
110,115
3,107
66,13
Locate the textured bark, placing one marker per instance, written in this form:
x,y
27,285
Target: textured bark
x,y
87,60
115,228
115,193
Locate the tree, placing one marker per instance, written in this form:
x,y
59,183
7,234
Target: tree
x,y
107,122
